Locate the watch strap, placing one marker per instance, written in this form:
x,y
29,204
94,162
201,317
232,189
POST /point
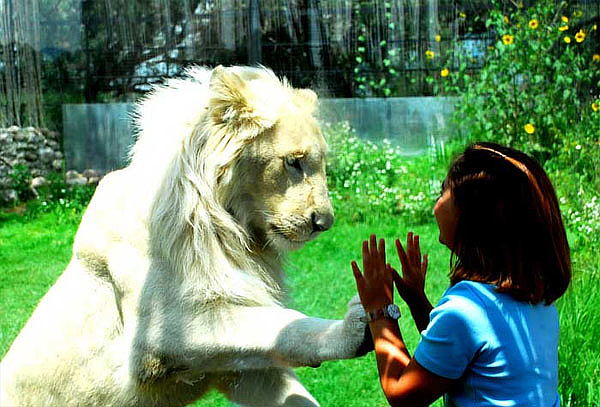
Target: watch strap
x,y
390,311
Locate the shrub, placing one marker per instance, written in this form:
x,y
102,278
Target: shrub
x,y
58,197
538,91
372,180
20,177
538,87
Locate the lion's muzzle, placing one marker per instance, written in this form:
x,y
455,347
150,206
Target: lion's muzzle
x,y
321,222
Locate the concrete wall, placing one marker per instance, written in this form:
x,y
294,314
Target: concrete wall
x,y
98,136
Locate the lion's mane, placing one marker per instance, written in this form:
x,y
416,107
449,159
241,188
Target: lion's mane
x,y
191,132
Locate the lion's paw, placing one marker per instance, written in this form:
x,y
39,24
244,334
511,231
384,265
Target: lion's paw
x,y
356,329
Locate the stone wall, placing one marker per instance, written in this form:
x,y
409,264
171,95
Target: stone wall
x,y
41,152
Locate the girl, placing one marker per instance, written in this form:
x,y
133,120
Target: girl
x,y
492,340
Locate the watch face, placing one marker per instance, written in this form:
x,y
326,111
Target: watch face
x,y
393,311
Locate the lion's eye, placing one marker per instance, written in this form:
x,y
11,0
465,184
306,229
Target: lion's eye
x,y
293,162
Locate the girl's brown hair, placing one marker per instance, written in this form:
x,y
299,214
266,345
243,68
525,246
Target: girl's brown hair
x,y
509,230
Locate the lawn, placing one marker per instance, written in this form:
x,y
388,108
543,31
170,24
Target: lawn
x,y
33,252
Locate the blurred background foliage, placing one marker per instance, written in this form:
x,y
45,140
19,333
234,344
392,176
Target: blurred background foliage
x,y
97,51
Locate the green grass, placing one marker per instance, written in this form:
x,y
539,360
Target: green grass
x,y
33,252
32,255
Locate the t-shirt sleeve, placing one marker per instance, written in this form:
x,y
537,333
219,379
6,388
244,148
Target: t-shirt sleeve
x,y
452,338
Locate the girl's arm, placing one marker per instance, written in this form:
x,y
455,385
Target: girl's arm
x,y
411,285
403,380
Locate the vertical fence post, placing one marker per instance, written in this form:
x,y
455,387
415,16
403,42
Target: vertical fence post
x,y
254,33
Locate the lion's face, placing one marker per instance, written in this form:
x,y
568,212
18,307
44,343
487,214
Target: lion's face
x,y
276,186
285,190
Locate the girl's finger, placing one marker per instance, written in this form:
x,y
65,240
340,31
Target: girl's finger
x,y
410,246
381,256
395,276
398,281
417,249
401,254
365,256
425,263
372,254
356,270
373,245
357,275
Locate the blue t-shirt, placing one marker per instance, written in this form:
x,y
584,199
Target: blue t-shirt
x,y
504,351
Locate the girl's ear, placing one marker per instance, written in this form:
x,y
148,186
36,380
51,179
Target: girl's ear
x,y
234,104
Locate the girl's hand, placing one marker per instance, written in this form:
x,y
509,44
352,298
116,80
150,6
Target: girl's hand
x,y
375,286
411,284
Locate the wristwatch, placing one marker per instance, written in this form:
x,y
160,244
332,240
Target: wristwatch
x,y
390,311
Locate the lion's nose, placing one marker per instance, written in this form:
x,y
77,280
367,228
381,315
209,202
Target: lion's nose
x,y
321,222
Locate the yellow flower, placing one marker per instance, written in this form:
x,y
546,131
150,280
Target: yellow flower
x,y
595,27
462,14
567,39
438,38
529,128
533,24
508,39
506,20
580,36
595,107
596,58
445,72
429,54
565,19
563,28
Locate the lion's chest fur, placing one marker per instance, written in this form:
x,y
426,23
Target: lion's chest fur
x,y
119,292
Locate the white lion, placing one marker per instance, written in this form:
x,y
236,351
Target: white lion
x,y
175,285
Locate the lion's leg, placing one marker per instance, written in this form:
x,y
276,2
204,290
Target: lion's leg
x,y
268,388
264,337
243,339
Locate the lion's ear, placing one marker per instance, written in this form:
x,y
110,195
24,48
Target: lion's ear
x,y
307,99
234,103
